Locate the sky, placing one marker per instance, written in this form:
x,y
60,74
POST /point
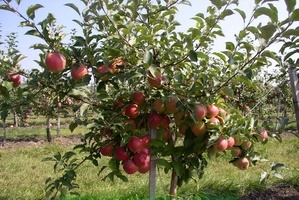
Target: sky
x,y
64,15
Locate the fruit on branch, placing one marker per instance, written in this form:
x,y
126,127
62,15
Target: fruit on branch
x,y
121,154
246,144
105,131
263,135
78,72
222,112
59,105
101,72
154,120
155,80
230,142
55,62
159,106
138,98
165,121
114,66
16,80
212,111
221,144
144,168
236,151
199,128
170,105
132,111
107,150
242,163
178,116
129,125
135,144
183,128
238,140
141,158
200,111
167,135
129,166
146,140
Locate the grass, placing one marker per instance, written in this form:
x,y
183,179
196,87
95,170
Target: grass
x,y
22,175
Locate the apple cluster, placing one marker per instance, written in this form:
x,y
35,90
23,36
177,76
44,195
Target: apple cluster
x,y
134,156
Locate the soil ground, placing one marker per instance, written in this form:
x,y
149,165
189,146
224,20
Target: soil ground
x,y
279,192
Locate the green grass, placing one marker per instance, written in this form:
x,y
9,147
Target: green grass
x,y
22,176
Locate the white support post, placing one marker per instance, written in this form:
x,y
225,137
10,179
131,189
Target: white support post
x,y
295,93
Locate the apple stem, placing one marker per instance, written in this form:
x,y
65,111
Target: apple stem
x,y
153,165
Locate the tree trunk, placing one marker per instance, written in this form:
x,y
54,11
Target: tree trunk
x,y
15,119
58,125
295,87
4,132
153,165
278,110
174,176
49,137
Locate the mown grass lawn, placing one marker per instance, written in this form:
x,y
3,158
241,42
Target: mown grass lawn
x,y
22,175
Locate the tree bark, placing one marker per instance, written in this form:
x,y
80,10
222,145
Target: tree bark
x,y
278,111
15,119
58,125
4,132
153,165
49,137
295,87
174,176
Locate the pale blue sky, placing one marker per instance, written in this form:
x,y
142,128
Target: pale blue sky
x,y
64,15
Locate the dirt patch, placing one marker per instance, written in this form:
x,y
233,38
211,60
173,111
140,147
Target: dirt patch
x,y
280,192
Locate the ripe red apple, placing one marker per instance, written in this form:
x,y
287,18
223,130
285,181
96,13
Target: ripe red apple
x,y
212,111
141,158
222,112
102,70
170,105
155,80
165,121
146,149
132,111
145,139
242,163
107,150
78,72
167,134
231,142
69,101
145,168
199,128
263,135
236,151
55,62
16,80
59,105
221,144
138,98
135,144
159,106
129,166
200,112
154,120
121,154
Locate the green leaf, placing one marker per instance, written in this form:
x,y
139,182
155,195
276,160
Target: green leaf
x,y
178,167
18,2
277,166
242,13
268,31
218,4
226,13
72,126
230,46
164,163
5,7
122,177
193,56
148,57
77,92
73,6
295,15
4,115
290,5
33,32
83,109
31,10
4,92
113,164
228,91
266,11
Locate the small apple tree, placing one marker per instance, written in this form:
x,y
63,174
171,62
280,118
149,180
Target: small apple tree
x,y
159,91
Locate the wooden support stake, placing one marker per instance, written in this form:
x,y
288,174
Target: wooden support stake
x,y
295,93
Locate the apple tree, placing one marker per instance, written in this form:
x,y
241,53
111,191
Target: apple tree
x,y
158,97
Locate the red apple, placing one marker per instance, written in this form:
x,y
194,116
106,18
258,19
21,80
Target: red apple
x,y
138,98
263,135
212,111
135,144
200,112
145,168
129,125
107,150
222,112
154,120
159,106
55,62
221,144
199,128
178,116
102,70
16,79
141,158
121,154
78,72
167,135
129,166
242,163
170,105
231,142
145,139
132,111
59,105
155,80
165,121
